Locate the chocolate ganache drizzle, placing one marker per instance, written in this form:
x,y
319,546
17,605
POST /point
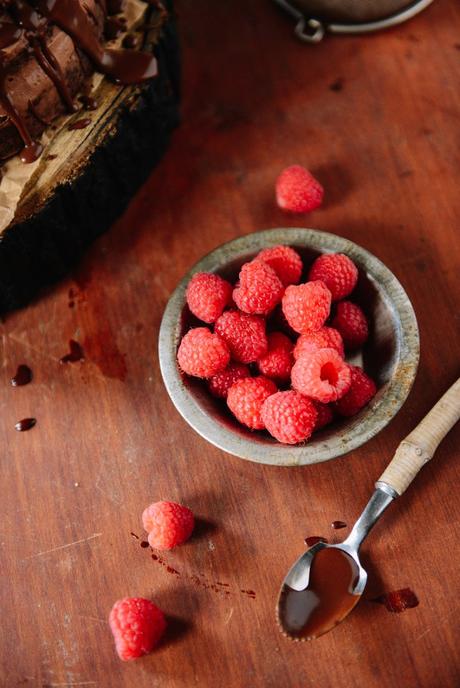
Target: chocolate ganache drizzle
x,y
32,21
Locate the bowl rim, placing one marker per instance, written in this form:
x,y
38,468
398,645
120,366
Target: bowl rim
x,y
364,425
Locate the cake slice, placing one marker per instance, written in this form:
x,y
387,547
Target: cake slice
x,y
48,49
92,162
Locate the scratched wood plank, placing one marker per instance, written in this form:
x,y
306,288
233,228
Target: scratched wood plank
x,y
108,441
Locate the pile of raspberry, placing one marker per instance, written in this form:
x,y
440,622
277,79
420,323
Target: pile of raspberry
x,y
274,348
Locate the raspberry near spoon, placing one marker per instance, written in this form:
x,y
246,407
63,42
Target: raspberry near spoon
x,y
327,581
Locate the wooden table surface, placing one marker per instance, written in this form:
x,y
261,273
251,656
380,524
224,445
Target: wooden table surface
x,y
377,120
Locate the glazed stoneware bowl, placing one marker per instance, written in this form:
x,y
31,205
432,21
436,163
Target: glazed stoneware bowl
x,y
390,355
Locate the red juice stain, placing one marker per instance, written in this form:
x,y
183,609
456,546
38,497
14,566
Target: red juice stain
x,y
199,579
51,157
76,353
338,524
313,540
398,601
102,349
144,544
80,124
25,424
23,376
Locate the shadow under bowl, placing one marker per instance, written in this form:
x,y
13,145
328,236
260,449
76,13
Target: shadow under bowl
x,y
390,356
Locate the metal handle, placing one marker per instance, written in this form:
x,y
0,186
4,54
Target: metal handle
x,y
380,500
312,30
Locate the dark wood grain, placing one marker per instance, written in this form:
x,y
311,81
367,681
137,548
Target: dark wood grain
x,y
108,441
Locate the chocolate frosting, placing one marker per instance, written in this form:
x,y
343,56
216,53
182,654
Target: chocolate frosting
x,y
57,32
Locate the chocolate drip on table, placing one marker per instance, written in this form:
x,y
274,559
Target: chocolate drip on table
x,y
23,376
25,424
32,19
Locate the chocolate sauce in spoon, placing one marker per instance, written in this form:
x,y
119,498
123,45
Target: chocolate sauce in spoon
x,y
327,599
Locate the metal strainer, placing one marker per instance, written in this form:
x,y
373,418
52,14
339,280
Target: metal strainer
x,y
315,17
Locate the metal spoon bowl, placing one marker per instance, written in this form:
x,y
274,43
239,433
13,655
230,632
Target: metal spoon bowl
x,y
297,601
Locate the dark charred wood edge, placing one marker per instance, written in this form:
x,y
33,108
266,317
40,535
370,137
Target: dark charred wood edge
x,y
42,249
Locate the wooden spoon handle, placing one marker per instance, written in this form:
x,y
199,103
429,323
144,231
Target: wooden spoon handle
x,y
419,446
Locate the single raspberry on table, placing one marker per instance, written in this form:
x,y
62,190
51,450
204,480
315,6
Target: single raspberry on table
x,y
207,295
202,353
244,335
323,375
325,415
245,399
220,383
168,524
351,322
289,417
297,191
337,271
259,288
285,262
137,626
325,338
361,391
306,306
277,362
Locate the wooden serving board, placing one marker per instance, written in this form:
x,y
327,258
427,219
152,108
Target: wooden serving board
x,y
86,177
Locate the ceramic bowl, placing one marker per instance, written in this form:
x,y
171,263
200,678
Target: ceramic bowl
x,y
390,355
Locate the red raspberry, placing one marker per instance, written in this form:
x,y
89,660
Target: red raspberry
x,y
360,393
244,334
279,323
338,273
245,399
259,289
307,306
202,353
298,191
351,322
137,626
285,262
277,362
323,375
325,338
207,295
220,383
289,417
325,415
168,524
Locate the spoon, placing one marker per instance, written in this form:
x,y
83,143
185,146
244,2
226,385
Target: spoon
x,y
327,581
